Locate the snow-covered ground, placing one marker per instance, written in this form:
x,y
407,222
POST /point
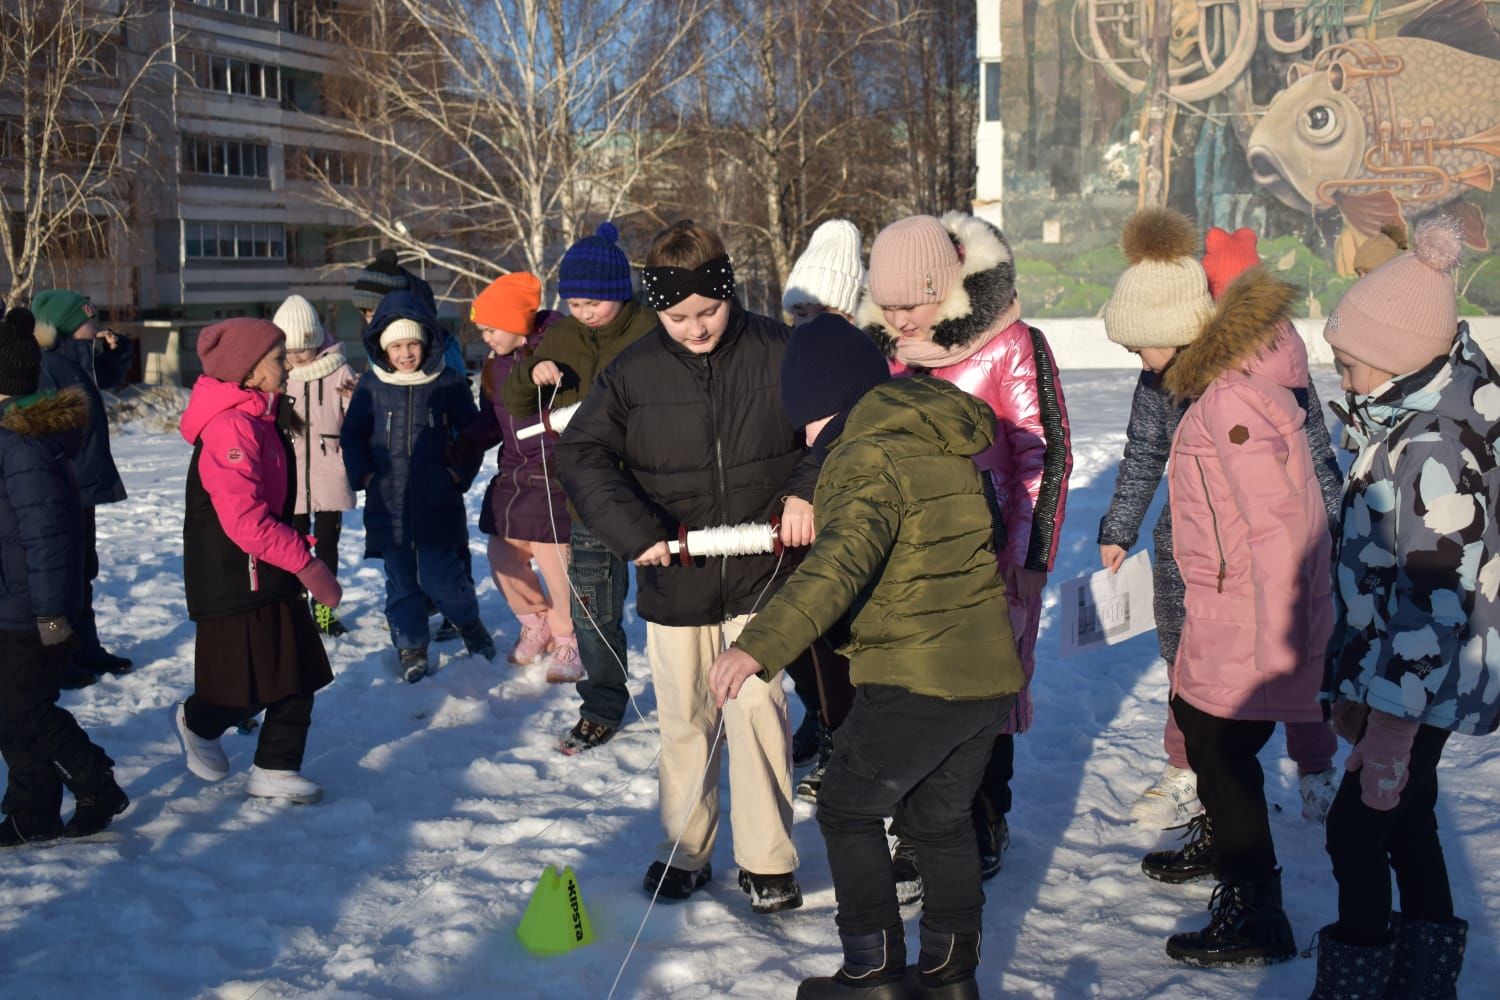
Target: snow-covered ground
x,y
446,800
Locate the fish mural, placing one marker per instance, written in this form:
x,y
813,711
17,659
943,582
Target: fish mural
x,y
1389,129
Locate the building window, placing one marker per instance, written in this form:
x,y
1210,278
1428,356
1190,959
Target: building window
x,y
309,18
992,90
225,158
333,165
234,240
227,75
265,9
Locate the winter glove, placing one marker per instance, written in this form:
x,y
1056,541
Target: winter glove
x,y
1349,719
55,632
320,583
1382,759
463,450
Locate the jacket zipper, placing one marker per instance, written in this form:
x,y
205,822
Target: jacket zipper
x,y
411,419
254,576
723,491
1214,518
307,444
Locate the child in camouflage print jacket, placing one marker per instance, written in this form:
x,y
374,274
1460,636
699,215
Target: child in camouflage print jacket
x,y
1414,656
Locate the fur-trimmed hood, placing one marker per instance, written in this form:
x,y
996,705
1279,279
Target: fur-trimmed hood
x,y
45,414
1253,314
987,285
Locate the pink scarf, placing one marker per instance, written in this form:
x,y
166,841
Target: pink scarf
x,y
916,353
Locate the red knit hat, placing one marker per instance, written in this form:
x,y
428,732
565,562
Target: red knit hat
x,y
1226,256
231,349
509,303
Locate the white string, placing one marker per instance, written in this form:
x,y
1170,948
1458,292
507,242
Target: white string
x,y
729,540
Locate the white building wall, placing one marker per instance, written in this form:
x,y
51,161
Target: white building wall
x,y
989,147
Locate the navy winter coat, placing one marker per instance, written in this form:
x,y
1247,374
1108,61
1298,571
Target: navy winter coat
x,y
41,557
397,435
76,362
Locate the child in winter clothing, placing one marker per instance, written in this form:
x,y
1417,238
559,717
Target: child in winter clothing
x,y
942,300
525,512
1250,538
905,547
829,277
405,411
1173,799
1413,657
684,430
41,593
594,283
318,389
245,567
78,351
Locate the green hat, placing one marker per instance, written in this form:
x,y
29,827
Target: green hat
x,y
64,311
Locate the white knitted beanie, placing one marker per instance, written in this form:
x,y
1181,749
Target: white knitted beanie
x,y
299,321
402,329
1162,298
829,273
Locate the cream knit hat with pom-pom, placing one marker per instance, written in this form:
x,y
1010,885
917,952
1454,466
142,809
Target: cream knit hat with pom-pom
x,y
1404,313
299,321
1162,298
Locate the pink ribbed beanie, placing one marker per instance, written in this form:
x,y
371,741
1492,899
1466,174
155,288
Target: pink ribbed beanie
x,y
1404,313
912,261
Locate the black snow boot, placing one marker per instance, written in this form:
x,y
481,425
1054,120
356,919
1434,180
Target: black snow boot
x,y
908,879
874,969
676,883
446,631
1428,957
812,781
1190,862
477,640
771,893
414,664
96,808
1246,926
1351,971
993,834
805,741
18,829
945,967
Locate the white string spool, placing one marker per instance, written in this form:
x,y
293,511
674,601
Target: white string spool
x,y
727,540
552,420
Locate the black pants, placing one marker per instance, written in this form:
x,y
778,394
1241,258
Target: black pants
x,y
87,629
992,802
821,678
43,745
325,526
921,759
1367,844
1231,786
283,736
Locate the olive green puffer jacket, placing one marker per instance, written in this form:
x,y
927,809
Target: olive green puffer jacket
x,y
905,546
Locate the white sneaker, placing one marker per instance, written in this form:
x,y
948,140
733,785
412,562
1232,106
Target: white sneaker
x,y
1172,801
1318,791
205,758
288,785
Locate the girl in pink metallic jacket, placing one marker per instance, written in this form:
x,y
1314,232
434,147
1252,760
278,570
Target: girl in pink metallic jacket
x,y
942,300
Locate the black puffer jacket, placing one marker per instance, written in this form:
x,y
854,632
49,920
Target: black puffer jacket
x,y
670,438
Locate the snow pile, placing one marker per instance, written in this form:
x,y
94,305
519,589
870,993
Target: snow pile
x,y
155,408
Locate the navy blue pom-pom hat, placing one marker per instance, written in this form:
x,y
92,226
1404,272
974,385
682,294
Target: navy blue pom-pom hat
x,y
596,268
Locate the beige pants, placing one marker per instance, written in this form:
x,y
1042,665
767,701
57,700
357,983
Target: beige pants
x,y
760,756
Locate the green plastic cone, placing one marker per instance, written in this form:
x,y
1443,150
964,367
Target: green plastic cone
x,y
555,921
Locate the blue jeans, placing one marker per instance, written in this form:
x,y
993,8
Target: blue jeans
x,y
600,579
414,574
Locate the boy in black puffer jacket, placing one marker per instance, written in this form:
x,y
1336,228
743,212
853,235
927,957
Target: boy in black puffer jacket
x,y
684,430
41,591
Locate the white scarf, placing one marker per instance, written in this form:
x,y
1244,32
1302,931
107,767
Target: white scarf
x,y
418,377
320,367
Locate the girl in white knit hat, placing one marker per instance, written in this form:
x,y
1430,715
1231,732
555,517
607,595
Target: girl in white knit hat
x,y
318,386
828,277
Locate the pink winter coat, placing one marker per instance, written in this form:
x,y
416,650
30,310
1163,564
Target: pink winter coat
x,y
1250,535
313,390
1015,373
243,467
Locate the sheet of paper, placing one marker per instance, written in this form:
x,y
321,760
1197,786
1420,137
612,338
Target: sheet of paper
x,y
1104,608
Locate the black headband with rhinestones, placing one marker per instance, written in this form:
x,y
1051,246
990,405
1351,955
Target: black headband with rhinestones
x,y
664,287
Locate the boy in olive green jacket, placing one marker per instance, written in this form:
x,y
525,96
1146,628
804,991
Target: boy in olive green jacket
x,y
904,546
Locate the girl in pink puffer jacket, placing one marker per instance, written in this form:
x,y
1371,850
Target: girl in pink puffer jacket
x,y
942,300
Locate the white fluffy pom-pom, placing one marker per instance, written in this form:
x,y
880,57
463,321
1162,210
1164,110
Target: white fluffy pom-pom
x,y
1438,241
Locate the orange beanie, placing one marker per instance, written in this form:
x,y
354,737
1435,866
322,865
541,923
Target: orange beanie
x,y
1226,256
509,303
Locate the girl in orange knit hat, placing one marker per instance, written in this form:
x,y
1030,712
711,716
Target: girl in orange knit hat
x,y
525,513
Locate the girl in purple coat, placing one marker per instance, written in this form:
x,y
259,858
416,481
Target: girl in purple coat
x,y
318,388
525,512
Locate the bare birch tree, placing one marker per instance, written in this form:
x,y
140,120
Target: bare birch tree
x,y
504,129
67,134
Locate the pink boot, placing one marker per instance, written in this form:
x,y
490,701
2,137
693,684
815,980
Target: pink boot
x,y
536,636
566,667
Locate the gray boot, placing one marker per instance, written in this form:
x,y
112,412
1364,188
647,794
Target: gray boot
x,y
1428,958
1351,971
